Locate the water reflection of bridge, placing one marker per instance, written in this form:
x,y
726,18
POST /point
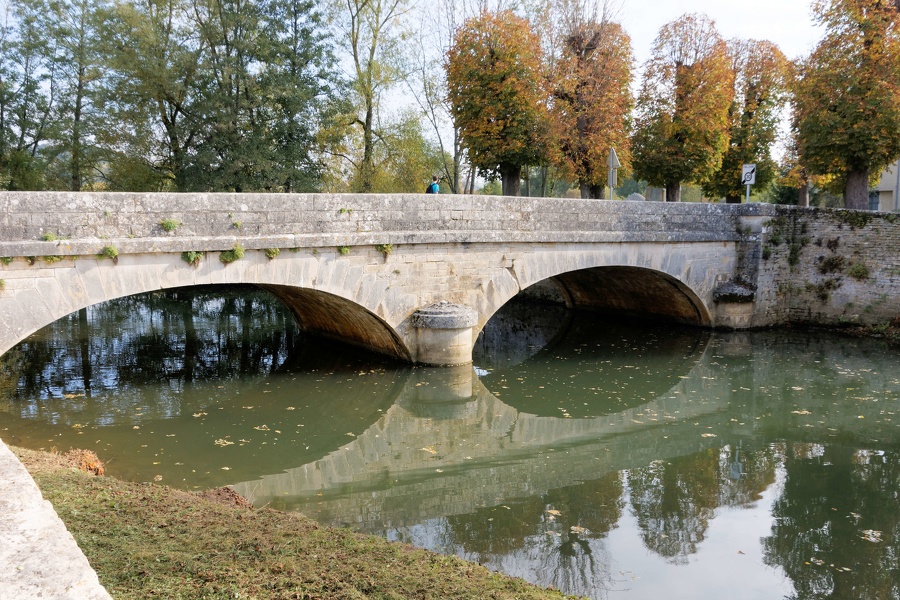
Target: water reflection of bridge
x,y
419,460
428,446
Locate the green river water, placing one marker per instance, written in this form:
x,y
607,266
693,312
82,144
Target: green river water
x,y
600,458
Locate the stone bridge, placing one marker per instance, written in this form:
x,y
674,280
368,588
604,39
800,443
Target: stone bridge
x,y
417,277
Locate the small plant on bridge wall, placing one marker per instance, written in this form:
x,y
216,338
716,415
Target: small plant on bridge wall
x,y
169,225
237,224
385,249
858,271
111,253
344,250
49,237
346,211
192,257
52,259
272,253
229,256
6,259
2,284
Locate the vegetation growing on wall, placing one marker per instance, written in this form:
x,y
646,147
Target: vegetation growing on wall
x,y
230,256
192,257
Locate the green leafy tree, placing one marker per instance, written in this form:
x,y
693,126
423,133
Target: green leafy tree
x,y
761,82
373,37
154,95
847,96
681,123
497,95
27,87
75,33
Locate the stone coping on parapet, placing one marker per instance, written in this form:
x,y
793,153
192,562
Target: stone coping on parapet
x,y
95,246
39,558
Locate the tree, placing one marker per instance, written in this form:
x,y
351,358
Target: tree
x,y
153,96
28,85
847,98
681,124
75,34
761,84
374,42
497,95
592,100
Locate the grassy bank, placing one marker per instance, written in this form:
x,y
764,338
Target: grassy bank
x,y
150,541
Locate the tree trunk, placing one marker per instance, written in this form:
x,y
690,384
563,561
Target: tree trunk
x,y
673,192
803,195
856,190
511,178
591,191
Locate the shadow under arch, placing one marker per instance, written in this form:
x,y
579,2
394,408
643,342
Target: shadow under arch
x,y
635,292
339,319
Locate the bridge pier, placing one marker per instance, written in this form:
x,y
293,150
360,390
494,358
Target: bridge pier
x,y
444,334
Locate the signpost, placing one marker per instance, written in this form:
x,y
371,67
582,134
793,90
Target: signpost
x,y
748,178
613,163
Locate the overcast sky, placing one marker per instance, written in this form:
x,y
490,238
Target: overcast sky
x,y
787,23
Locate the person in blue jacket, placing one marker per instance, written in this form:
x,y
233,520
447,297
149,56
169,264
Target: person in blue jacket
x,y
433,188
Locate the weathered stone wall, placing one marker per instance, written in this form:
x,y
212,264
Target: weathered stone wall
x,y
215,221
829,267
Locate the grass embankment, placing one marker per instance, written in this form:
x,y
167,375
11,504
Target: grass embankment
x,y
151,541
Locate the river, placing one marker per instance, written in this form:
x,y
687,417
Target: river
x,y
600,458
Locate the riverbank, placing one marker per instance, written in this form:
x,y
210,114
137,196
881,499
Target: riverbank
x,y
148,540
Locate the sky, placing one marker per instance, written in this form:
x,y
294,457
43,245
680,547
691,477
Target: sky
x,y
787,23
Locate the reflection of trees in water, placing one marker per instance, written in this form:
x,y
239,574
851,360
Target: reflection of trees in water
x,y
674,501
129,341
570,521
836,531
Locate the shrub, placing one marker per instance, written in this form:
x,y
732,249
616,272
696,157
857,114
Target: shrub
x,y
192,257
169,225
110,252
229,256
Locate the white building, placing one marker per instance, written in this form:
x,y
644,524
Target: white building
x,y
885,195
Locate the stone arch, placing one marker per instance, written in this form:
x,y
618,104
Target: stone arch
x,y
322,308
646,285
340,319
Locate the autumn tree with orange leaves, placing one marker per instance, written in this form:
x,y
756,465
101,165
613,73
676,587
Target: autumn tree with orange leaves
x,y
681,124
762,75
592,101
847,106
497,95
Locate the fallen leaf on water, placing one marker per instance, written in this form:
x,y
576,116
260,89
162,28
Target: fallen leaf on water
x,y
200,414
226,468
797,388
223,442
430,449
800,412
157,478
553,512
708,435
577,529
261,428
870,535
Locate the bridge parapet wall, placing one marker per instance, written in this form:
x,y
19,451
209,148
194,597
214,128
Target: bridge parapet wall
x,y
84,222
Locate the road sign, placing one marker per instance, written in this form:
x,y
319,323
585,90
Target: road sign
x,y
613,163
748,175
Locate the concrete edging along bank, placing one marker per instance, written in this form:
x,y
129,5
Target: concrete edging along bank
x,y
39,558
